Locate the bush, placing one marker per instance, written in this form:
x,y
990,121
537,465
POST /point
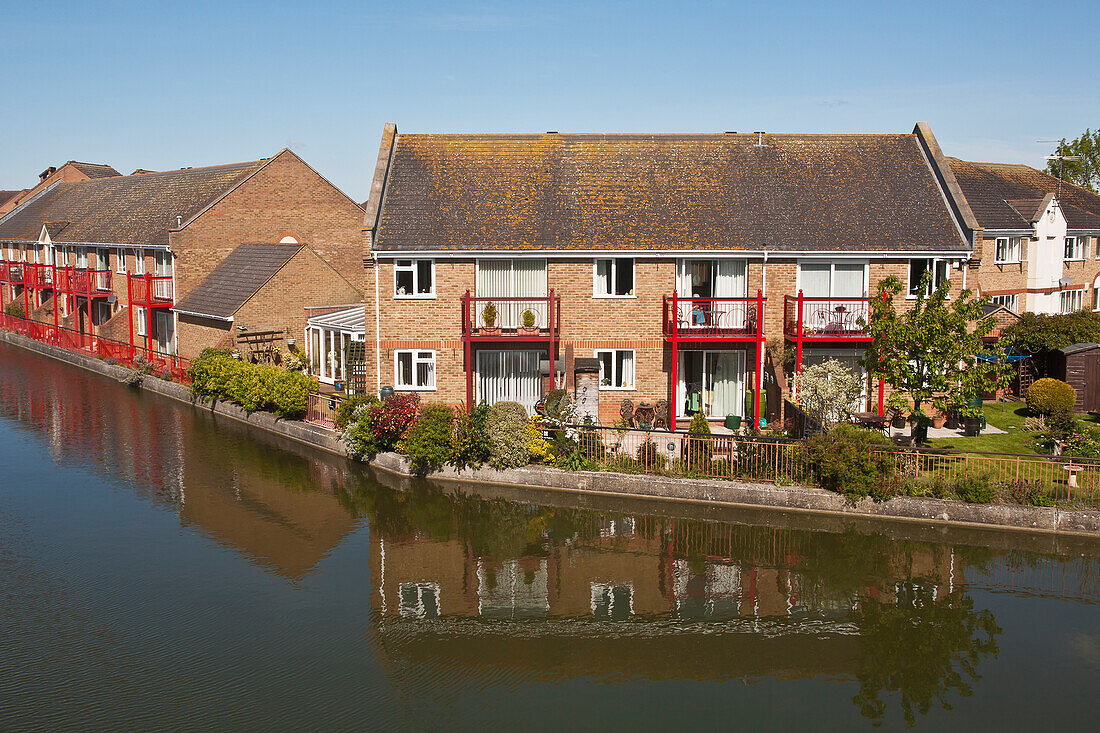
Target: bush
x,y
471,441
506,426
390,420
1048,396
15,308
216,374
851,461
697,447
1028,493
649,455
358,437
538,448
976,489
348,407
430,440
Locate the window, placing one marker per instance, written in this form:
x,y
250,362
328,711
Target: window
x,y
120,261
917,268
414,279
104,312
614,278
82,258
139,262
1072,300
142,326
616,368
612,602
1008,301
1008,250
414,369
419,600
1074,249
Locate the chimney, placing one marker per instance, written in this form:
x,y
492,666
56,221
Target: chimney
x,y
760,139
46,174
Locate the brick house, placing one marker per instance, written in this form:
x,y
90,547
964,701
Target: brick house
x,y
673,260
71,172
1036,239
120,252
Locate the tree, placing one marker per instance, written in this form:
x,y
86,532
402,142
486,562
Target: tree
x,y
929,353
828,391
1084,172
1035,332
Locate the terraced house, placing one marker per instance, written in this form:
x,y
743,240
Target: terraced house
x,y
506,264
180,260
1036,239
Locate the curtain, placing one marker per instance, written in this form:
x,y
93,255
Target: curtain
x,y
725,379
626,368
513,278
603,277
509,376
730,283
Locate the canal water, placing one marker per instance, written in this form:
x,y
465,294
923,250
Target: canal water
x,y
162,568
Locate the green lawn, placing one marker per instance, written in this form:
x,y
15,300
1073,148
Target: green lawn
x,y
1008,416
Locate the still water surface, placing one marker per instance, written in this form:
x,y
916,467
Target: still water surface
x,y
161,568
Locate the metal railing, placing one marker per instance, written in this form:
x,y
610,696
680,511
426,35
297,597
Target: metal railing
x,y
679,454
1062,479
686,318
83,281
149,290
129,355
11,272
510,315
838,318
321,409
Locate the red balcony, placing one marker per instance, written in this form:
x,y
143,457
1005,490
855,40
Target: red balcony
x,y
150,291
39,276
826,319
83,282
12,272
506,318
714,319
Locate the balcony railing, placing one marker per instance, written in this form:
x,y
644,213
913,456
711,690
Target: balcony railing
x,y
11,272
494,317
713,318
150,290
39,276
826,318
83,281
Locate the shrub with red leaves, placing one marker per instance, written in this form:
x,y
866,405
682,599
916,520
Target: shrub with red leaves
x,y
391,420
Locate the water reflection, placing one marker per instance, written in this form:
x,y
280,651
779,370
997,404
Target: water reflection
x,y
470,593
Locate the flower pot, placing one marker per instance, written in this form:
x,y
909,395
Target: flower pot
x,y
952,422
489,331
972,426
528,330
899,421
733,422
920,430
939,420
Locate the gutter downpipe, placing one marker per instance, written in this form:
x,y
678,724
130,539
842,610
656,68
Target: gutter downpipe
x,y
377,326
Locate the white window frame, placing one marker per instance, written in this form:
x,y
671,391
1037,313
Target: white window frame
x,y
934,262
614,267
419,611
120,260
416,360
142,320
1077,294
1078,249
413,267
633,360
1011,301
1013,247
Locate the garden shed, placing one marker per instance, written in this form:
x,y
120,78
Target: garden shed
x,y
1079,366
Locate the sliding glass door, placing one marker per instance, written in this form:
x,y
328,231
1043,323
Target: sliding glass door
x,y
711,382
513,278
509,376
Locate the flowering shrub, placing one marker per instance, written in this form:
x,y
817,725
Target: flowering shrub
x,y
390,420
828,391
538,448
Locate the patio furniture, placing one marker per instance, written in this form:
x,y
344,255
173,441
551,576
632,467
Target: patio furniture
x,y
626,412
644,414
661,414
876,421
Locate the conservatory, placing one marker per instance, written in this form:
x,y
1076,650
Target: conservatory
x,y
329,339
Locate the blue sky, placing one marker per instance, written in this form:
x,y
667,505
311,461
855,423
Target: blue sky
x,y
176,84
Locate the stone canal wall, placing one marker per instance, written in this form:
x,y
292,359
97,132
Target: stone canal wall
x,y
739,494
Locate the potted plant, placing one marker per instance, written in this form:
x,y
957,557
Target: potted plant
x,y
528,328
920,421
939,419
971,421
489,319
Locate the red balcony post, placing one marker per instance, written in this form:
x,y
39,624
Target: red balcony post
x,y
798,349
468,351
674,334
550,322
759,358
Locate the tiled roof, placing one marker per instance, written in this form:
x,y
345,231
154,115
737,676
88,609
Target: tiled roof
x,y
662,192
236,279
54,229
989,187
94,170
6,196
125,209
